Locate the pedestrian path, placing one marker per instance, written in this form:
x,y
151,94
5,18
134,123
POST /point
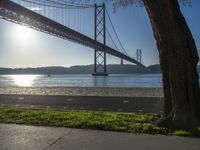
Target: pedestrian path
x,y
21,137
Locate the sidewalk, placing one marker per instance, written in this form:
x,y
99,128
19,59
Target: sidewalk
x,y
21,137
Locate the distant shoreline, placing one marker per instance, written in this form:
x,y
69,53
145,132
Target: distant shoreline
x,y
85,69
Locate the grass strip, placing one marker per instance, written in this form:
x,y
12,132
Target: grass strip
x,y
111,121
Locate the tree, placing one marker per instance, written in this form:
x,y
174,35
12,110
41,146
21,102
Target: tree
x,y
178,61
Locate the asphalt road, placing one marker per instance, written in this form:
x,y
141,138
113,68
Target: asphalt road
x,y
21,137
98,103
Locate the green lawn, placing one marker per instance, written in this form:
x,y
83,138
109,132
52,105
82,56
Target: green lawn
x,y
112,121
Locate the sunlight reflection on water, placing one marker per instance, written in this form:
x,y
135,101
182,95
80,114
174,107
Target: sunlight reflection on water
x,y
24,80
84,80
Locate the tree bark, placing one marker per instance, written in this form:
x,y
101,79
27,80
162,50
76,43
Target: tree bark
x,y
178,61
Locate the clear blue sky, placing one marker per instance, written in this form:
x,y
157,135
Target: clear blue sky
x,y
21,47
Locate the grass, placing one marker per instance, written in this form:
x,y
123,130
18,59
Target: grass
x,y
182,133
111,121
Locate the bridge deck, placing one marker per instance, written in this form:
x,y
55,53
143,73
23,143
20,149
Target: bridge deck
x,y
13,12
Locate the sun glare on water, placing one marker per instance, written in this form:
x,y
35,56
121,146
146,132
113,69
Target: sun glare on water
x,y
24,80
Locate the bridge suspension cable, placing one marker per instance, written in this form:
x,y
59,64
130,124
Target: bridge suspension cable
x,y
113,28
50,16
81,19
74,3
59,4
112,39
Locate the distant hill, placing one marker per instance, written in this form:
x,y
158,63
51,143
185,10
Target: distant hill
x,y
88,69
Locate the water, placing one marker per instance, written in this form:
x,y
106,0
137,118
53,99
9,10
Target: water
x,y
130,80
119,80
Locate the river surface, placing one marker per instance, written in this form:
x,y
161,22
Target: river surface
x,y
86,80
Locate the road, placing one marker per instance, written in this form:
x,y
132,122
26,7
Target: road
x,y
97,103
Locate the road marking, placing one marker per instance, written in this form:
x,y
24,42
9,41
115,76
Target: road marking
x,y
100,108
32,106
17,105
47,107
125,101
140,110
65,107
20,98
119,109
69,100
2,104
82,108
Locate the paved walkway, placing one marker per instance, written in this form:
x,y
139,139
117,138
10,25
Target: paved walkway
x,y
20,137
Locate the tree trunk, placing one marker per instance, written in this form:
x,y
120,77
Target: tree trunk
x,y
178,61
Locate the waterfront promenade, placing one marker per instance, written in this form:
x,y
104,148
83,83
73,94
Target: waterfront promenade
x,y
21,137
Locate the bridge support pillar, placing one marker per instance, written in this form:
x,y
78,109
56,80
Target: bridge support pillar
x,y
100,36
122,62
139,55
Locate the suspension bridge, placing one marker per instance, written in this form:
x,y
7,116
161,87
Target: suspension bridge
x,y
82,23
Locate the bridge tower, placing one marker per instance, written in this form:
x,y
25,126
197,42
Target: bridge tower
x,y
122,62
100,36
139,55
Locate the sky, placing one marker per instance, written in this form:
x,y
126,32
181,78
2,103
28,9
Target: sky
x,y
22,47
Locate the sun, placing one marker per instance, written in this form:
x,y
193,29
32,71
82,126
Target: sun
x,y
23,34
